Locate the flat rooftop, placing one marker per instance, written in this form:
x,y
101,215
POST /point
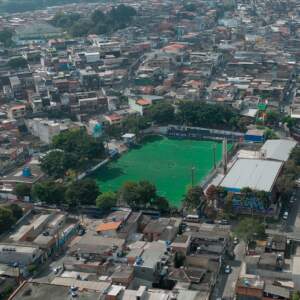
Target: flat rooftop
x,y
45,291
278,149
256,174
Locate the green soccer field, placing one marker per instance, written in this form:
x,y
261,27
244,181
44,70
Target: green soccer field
x,y
165,162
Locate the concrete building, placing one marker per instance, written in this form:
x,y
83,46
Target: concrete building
x,y
277,149
45,130
261,175
149,265
23,255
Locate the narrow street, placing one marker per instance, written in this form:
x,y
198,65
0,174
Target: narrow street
x,y
225,286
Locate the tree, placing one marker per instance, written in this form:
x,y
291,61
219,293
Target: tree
x,y
228,203
263,197
194,198
295,155
22,190
250,229
162,113
17,63
211,194
272,117
161,203
49,192
147,192
106,200
79,143
83,192
209,115
140,194
6,219
6,37
130,194
53,164
296,295
98,16
16,210
270,134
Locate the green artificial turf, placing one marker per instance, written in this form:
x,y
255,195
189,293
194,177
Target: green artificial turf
x,y
165,162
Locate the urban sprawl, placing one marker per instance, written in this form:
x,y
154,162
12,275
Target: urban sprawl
x,y
110,111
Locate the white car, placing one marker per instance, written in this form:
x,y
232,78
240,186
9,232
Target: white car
x,y
235,241
227,269
285,215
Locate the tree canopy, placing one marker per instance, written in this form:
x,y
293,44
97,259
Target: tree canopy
x,y
142,194
250,229
97,23
9,215
18,63
162,113
82,192
49,192
193,113
194,198
6,37
22,190
56,162
72,149
106,200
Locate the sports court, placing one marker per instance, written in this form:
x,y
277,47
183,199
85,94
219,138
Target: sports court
x,y
165,162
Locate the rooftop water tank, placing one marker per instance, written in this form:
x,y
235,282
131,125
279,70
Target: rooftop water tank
x,y
26,172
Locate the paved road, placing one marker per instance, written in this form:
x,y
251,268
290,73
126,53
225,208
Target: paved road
x,y
225,285
290,227
236,264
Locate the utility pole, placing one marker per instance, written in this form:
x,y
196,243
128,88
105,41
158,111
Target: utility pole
x,y
214,155
193,176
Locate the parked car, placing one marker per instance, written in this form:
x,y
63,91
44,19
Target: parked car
x,y
235,241
285,215
228,269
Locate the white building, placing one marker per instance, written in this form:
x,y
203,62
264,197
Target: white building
x,y
45,130
23,255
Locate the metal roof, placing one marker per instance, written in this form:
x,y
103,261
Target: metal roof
x,y
278,149
256,174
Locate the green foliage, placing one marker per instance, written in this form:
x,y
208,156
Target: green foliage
x,y
162,113
272,117
141,195
49,192
106,200
83,192
249,229
207,115
98,22
7,291
64,20
270,134
80,144
17,63
7,219
32,268
55,163
290,122
22,190
194,198
16,210
6,37
295,155
296,295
